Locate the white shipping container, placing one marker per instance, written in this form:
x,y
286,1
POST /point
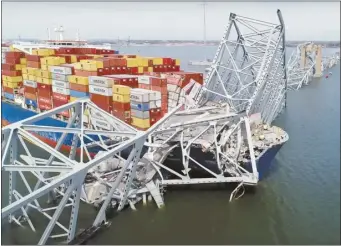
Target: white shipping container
x,y
172,103
139,96
30,83
99,90
173,96
61,90
101,81
173,88
144,80
140,114
60,77
96,115
101,124
59,83
61,70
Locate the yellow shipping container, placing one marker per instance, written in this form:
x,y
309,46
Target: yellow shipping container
x,y
24,70
142,123
177,62
157,61
132,62
23,61
142,62
72,99
78,65
140,69
19,67
45,67
45,52
73,59
86,112
52,52
52,61
62,60
35,52
121,89
150,69
78,80
89,67
121,98
46,74
31,71
47,81
12,85
12,79
31,77
85,61
39,79
25,76
39,73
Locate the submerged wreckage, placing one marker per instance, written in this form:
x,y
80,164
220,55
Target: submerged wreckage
x,y
222,134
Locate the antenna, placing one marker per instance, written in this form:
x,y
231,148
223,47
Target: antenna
x,y
78,38
204,4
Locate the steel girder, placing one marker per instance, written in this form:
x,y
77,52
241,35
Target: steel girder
x,y
248,71
61,176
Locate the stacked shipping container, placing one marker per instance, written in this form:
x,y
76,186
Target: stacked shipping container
x,y
55,77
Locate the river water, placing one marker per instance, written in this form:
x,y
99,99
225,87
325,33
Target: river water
x,y
297,203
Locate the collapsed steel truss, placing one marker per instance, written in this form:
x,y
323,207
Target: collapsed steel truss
x,y
306,62
254,82
249,69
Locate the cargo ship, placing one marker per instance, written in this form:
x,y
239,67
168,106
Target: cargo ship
x,y
137,90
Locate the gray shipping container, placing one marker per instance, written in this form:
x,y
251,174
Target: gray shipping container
x,y
140,114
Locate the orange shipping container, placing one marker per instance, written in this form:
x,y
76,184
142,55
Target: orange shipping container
x,y
30,96
77,87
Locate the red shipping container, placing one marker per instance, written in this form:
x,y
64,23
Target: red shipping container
x,y
44,93
30,96
104,102
145,86
15,54
44,106
33,58
58,103
155,113
8,90
13,60
67,58
115,56
118,62
122,115
118,106
77,87
45,100
11,73
6,66
61,97
132,70
44,87
105,61
167,61
29,89
33,64
157,81
163,89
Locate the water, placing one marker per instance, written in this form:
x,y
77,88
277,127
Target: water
x,y
298,203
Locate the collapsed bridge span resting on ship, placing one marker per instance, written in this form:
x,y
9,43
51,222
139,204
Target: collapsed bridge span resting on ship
x,y
208,138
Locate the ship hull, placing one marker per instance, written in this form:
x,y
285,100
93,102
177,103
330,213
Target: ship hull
x,y
13,113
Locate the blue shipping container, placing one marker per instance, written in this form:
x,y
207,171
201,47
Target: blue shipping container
x,y
78,94
9,96
139,106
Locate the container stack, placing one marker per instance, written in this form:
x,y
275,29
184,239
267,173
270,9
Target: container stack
x,y
159,85
101,92
61,86
121,102
79,87
125,79
11,73
139,103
